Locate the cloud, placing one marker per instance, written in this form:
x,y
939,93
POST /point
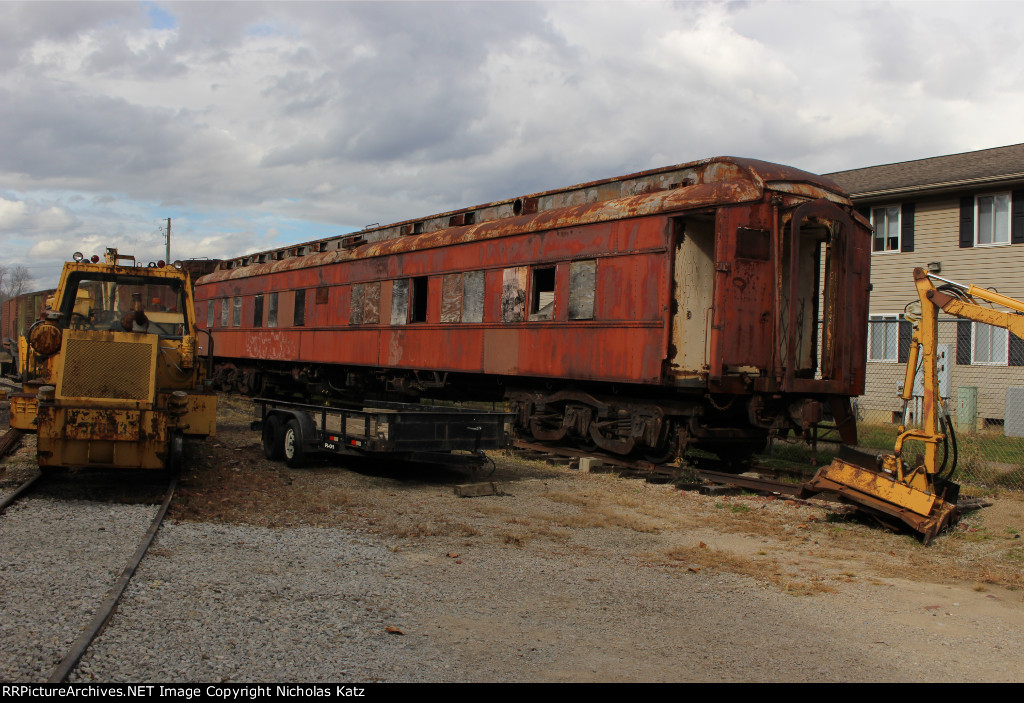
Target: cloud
x,y
256,124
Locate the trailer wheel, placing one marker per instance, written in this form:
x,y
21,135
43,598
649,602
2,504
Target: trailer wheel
x,y
294,455
273,444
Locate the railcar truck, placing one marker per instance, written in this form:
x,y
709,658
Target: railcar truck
x,y
111,378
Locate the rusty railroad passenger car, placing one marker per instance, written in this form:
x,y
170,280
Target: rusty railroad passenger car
x,y
701,305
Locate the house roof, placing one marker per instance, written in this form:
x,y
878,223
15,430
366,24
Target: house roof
x,y
984,167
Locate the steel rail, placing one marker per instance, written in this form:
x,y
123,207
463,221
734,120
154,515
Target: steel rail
x,y
99,621
18,492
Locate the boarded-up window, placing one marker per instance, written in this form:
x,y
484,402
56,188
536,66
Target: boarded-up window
x,y
299,318
582,286
400,301
356,313
542,294
473,296
513,294
236,316
257,311
366,303
225,312
272,310
451,298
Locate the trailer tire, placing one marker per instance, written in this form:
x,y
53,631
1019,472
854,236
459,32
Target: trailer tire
x,y
294,454
273,444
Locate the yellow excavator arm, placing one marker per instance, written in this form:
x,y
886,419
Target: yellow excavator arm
x,y
922,496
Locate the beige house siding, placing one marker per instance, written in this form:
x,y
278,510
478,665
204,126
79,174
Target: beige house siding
x,y
936,239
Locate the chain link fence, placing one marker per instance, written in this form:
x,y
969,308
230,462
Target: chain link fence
x,y
981,379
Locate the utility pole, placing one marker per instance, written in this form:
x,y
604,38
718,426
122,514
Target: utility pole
x,y
168,259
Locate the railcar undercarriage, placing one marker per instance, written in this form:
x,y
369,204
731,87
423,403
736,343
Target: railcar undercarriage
x,y
655,424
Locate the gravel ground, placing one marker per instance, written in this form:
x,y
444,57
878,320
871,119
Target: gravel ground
x,y
59,559
367,572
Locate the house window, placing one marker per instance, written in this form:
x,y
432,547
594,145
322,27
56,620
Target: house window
x,y
989,344
886,221
992,218
884,338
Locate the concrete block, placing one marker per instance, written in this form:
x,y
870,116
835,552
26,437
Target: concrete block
x,y
473,490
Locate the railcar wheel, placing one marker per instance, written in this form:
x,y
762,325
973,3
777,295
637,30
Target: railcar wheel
x,y
294,454
273,442
175,453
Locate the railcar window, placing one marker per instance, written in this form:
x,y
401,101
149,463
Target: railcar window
x,y
473,296
451,298
321,295
272,310
513,294
418,303
299,318
236,316
257,311
542,294
400,301
365,303
210,313
356,313
582,287
225,312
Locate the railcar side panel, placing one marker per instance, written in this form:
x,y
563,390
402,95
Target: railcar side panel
x,y
717,301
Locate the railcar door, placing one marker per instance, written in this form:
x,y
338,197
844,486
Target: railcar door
x,y
741,332
823,276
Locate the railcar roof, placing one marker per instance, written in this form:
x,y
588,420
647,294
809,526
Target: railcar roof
x,y
669,188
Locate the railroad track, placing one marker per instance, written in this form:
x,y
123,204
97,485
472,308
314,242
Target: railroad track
x,y
33,633
665,472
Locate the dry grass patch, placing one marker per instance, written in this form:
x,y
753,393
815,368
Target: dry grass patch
x,y
766,570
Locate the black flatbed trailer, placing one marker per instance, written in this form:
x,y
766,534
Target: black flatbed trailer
x,y
403,431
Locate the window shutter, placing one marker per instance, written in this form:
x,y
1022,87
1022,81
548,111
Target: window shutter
x,y
963,342
966,227
1017,218
1016,350
906,337
907,227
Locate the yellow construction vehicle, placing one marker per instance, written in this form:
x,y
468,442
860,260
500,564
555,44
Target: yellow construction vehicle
x,y
922,496
111,377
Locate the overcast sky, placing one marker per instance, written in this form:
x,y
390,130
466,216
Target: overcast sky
x,y
254,125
